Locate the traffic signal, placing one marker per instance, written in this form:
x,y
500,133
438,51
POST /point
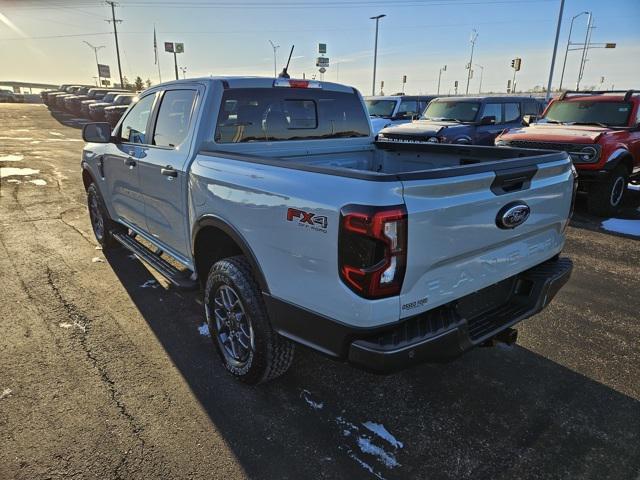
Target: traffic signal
x,y
515,64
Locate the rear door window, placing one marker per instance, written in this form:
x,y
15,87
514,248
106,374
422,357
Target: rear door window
x,y
511,112
493,110
279,114
174,116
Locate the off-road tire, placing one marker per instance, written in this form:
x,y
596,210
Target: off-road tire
x,y
273,354
604,198
106,240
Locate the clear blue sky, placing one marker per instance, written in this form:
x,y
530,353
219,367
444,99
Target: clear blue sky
x,y
42,41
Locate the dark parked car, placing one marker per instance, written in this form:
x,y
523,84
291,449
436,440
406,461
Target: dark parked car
x,y
7,96
57,100
120,105
74,103
464,120
96,110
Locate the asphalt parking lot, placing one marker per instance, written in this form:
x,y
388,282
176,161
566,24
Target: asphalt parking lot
x,y
106,372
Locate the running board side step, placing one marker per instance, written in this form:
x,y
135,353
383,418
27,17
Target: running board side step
x,y
176,277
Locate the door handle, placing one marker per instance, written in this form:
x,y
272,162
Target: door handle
x,y
130,162
169,171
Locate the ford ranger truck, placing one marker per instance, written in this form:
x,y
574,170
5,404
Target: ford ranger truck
x,y
601,133
274,198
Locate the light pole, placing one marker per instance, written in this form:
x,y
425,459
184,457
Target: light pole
x,y
275,47
474,37
587,39
184,72
564,64
481,75
443,69
375,53
95,51
555,50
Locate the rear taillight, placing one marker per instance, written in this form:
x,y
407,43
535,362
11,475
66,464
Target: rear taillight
x,y
372,249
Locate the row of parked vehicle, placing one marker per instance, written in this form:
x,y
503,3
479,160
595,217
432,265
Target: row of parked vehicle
x,y
600,130
99,104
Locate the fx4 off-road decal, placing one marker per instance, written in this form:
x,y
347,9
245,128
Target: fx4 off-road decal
x,y
308,219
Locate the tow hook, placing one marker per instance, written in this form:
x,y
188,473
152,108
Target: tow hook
x,y
508,337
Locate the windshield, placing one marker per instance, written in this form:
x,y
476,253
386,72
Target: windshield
x,y
108,98
456,111
380,108
123,100
613,114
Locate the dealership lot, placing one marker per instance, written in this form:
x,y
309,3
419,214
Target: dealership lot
x,y
108,373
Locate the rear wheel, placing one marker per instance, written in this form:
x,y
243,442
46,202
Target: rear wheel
x,y
101,222
249,347
605,198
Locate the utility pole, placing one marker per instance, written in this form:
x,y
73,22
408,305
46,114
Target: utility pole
x,y
585,48
95,51
115,33
564,64
375,53
474,37
275,47
555,50
443,69
481,75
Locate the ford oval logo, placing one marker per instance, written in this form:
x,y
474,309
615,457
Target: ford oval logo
x,y
512,215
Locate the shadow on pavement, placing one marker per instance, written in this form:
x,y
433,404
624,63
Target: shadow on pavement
x,y
494,413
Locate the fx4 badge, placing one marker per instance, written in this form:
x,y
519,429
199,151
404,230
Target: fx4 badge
x,y
308,219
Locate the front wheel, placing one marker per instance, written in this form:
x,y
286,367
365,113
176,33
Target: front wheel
x,y
101,222
605,198
249,347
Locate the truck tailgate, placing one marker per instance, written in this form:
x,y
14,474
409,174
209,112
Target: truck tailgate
x,y
455,244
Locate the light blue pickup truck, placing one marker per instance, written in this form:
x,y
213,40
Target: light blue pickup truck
x,y
273,197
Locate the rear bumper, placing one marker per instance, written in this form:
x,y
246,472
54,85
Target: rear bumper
x,y
437,335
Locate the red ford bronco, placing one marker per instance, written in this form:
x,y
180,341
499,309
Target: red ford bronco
x,y
601,133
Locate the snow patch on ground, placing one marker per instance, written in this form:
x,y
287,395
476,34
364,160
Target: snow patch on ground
x,y
149,284
6,393
97,260
204,330
306,396
38,181
76,324
620,225
383,433
14,172
13,180
11,158
365,465
57,134
386,458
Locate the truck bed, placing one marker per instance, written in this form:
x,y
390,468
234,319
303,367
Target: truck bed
x,y
405,161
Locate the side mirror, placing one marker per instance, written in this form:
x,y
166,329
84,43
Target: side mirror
x,y
96,132
490,120
529,119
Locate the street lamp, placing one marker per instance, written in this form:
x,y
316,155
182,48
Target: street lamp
x,y
481,75
95,51
184,72
275,47
474,37
375,52
443,69
569,43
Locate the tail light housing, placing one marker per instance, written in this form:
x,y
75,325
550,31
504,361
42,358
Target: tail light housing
x,y
372,249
